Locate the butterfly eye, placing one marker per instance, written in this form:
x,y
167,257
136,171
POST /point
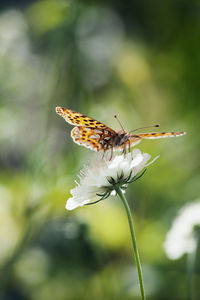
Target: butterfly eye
x,y
122,135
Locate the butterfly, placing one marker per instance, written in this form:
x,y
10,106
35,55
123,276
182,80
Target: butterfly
x,y
97,136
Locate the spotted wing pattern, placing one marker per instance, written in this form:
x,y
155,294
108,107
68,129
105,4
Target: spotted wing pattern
x,y
159,135
78,119
136,138
92,138
88,132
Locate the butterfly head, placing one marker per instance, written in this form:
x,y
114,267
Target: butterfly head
x,y
121,138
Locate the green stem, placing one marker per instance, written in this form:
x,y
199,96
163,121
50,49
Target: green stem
x,y
191,259
136,253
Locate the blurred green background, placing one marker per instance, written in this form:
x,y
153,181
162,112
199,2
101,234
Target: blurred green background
x,y
137,59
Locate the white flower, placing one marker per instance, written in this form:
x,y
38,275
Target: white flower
x,y
180,238
98,181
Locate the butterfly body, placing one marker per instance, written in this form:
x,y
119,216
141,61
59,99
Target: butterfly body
x,y
98,137
120,139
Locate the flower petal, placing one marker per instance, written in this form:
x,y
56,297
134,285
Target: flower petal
x,y
72,204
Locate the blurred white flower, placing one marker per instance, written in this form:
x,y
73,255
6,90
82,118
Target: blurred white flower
x,y
181,238
99,181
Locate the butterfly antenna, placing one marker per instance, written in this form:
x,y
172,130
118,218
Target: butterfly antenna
x,y
153,126
119,122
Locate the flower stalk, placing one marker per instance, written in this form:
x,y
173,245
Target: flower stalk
x,y
191,263
135,248
191,259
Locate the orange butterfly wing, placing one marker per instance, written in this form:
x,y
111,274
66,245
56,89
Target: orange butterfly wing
x,y
159,135
78,119
88,132
88,137
136,138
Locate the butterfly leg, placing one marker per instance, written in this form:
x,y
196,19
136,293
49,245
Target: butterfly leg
x,y
103,153
111,149
124,150
111,153
129,148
